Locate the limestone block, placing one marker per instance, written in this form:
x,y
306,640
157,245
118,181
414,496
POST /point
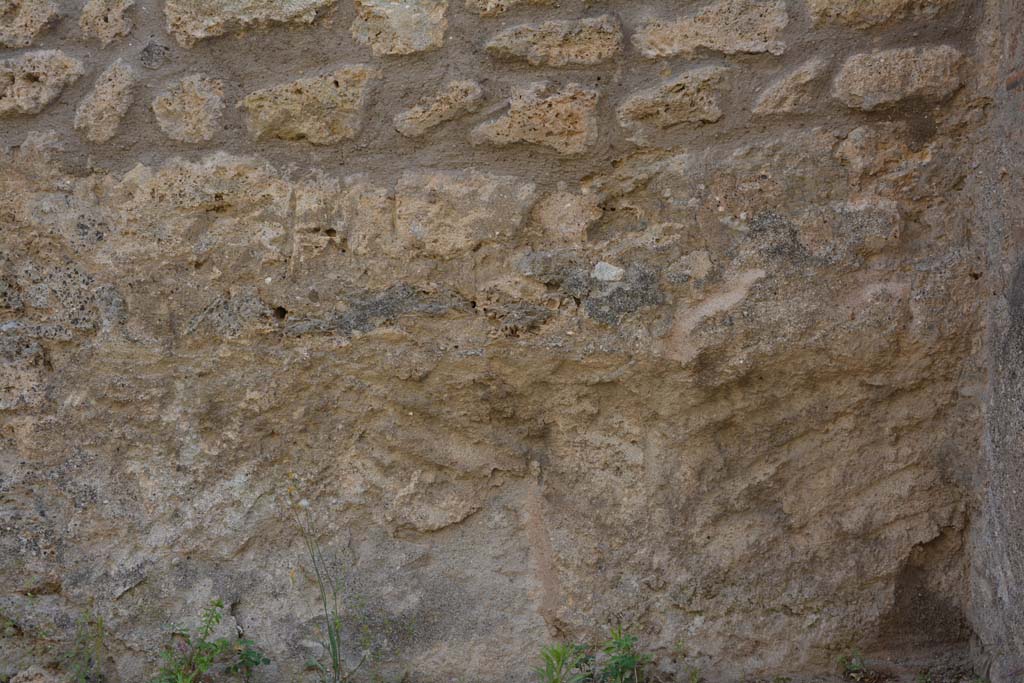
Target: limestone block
x,y
445,213
559,43
490,8
192,20
101,111
454,100
565,216
793,93
22,20
190,110
687,98
400,27
874,80
865,13
727,26
321,110
33,80
564,119
106,20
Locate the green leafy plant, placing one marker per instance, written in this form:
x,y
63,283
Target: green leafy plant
x,y
329,585
624,663
247,658
190,656
564,663
83,659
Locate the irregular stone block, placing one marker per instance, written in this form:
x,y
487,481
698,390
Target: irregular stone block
x,y
727,26
688,98
400,27
878,79
607,272
101,111
490,8
444,213
792,93
192,20
368,215
22,20
865,13
106,20
320,109
853,229
190,109
33,80
558,43
565,216
37,674
454,100
563,119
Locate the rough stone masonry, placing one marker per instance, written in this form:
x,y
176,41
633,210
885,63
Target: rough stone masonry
x,y
700,317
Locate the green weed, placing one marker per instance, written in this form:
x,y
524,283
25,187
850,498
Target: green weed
x,y
83,660
565,663
191,655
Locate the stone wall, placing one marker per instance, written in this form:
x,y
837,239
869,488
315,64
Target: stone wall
x,y
557,314
997,533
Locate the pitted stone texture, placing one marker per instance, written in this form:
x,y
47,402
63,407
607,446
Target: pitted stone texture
x,y
560,43
688,98
190,109
727,26
321,110
445,213
192,20
875,80
106,20
793,93
101,111
37,674
849,230
490,8
564,119
564,216
400,27
29,82
22,20
454,100
865,13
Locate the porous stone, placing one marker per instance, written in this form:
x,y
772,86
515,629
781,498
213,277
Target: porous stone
x,y
101,111
445,213
563,119
37,674
607,272
688,98
400,27
31,81
727,26
321,110
22,20
106,20
490,8
191,108
560,43
192,20
874,80
564,216
782,417
793,93
456,99
865,13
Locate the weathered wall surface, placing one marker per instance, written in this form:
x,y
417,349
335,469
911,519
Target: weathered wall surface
x,y
997,535
558,314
